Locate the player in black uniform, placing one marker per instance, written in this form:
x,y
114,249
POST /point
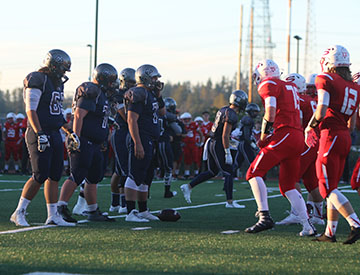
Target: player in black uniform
x,y
91,113
119,141
43,96
169,128
247,144
144,104
217,148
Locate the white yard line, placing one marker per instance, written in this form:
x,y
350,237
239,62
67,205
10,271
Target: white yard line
x,y
24,229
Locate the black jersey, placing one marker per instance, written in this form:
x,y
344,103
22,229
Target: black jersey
x,y
165,126
145,104
225,114
90,97
50,109
116,102
246,128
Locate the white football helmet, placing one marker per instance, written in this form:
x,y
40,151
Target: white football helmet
x,y
20,116
298,80
310,81
11,115
199,118
356,78
334,56
185,115
264,69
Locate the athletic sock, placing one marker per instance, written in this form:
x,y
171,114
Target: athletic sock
x,y
228,185
142,206
92,207
61,203
298,203
331,228
318,209
115,199
130,205
122,200
259,190
23,203
353,220
51,209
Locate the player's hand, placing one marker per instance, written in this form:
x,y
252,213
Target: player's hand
x,y
74,142
43,141
228,157
139,151
262,143
310,137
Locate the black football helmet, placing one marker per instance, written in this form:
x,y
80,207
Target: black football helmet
x,y
253,110
58,62
239,98
145,74
105,75
170,104
127,78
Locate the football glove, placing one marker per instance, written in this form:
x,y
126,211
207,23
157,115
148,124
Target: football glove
x,y
228,157
43,141
73,142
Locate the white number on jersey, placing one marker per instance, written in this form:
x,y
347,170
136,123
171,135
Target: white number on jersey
x,y
350,98
295,96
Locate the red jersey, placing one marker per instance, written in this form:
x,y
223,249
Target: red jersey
x,y
191,130
287,102
22,127
206,128
344,99
12,131
307,107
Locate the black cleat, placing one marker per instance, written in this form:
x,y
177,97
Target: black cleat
x,y
324,238
265,222
98,216
353,236
170,194
65,213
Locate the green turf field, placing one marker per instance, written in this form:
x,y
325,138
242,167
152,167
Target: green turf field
x,y
194,244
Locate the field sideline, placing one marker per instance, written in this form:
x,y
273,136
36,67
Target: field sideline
x,y
193,245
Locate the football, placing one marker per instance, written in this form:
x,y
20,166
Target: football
x,y
169,215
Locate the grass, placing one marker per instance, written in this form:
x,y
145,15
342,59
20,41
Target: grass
x,y
192,245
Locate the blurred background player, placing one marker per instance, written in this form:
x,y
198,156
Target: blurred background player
x,y
284,146
43,96
11,136
24,151
217,149
90,127
338,100
199,142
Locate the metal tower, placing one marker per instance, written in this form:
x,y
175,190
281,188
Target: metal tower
x,y
311,61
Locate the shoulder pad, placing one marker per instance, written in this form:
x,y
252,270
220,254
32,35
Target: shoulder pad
x,y
88,90
137,94
231,116
246,120
35,80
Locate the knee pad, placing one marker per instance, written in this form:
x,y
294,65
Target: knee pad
x,y
130,183
143,188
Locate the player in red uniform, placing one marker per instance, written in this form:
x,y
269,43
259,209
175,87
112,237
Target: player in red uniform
x,y
199,142
284,146
338,99
308,157
310,86
11,137
192,128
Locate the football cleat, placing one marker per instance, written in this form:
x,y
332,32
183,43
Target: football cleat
x,y
133,216
114,208
317,220
18,217
80,207
65,213
291,219
234,204
265,222
58,220
353,236
170,194
187,192
122,210
308,229
324,238
98,216
147,215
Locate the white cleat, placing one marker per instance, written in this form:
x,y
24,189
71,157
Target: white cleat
x,y
308,229
80,207
58,220
18,217
234,204
147,215
122,210
187,192
114,208
291,219
317,220
134,217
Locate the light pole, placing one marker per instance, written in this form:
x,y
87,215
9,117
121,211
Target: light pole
x,y
96,31
90,66
298,38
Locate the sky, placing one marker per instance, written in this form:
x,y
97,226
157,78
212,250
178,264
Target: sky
x,y
187,40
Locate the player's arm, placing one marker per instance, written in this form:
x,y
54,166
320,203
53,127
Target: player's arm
x,y
269,116
79,115
226,135
32,99
352,121
121,112
320,112
132,119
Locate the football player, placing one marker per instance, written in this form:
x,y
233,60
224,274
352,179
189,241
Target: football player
x,y
43,96
119,142
310,86
338,100
308,158
284,146
90,127
144,104
11,137
217,150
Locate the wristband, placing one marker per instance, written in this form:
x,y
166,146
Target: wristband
x,y
40,133
227,151
161,102
314,122
266,126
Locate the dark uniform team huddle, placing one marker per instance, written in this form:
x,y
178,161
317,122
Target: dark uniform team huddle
x,y
145,123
